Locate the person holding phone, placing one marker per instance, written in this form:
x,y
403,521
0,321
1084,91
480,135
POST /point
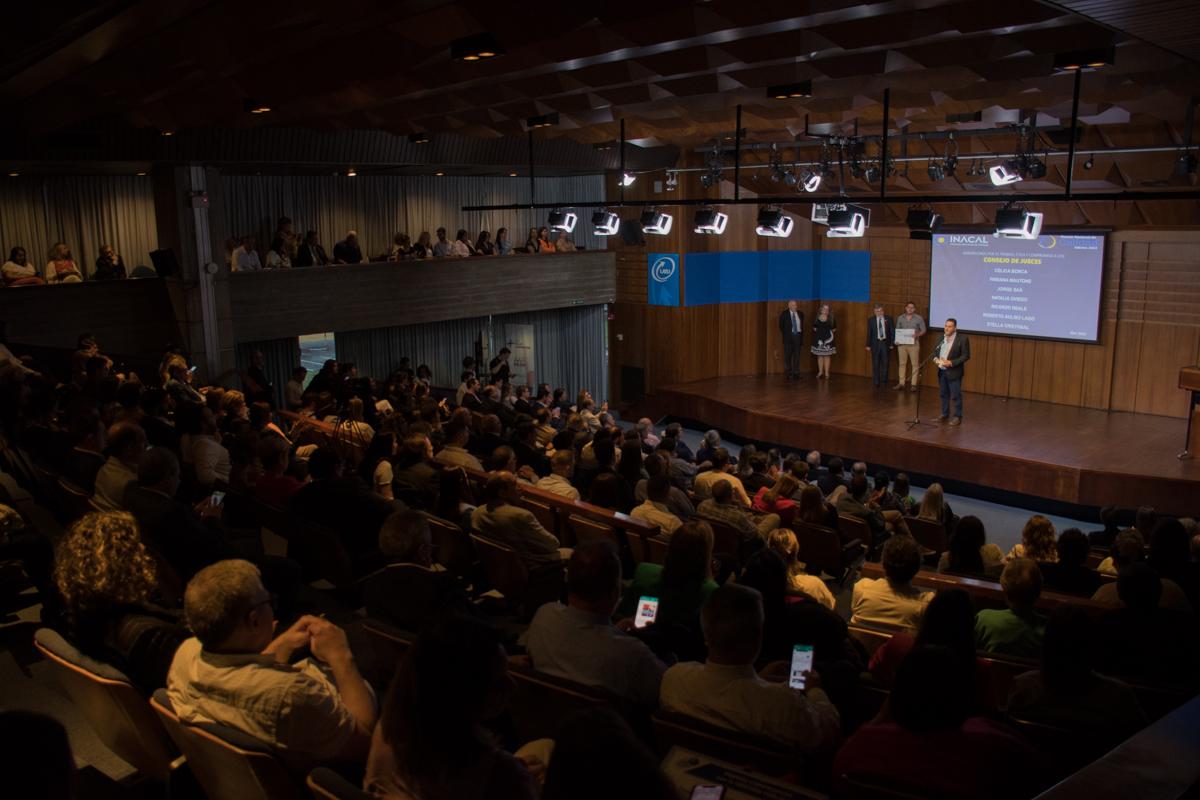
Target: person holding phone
x,y
727,692
579,642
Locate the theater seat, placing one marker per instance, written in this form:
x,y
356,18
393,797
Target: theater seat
x,y
677,730
226,762
325,784
109,702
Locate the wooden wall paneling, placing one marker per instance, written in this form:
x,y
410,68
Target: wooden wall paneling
x,y
1096,385
742,346
1127,346
1164,348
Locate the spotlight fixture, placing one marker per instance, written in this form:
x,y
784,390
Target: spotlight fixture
x,y
1017,223
789,90
1186,164
773,222
351,173
922,223
790,178
251,106
871,173
820,213
847,222
706,180
1005,174
478,47
418,138
627,178
710,221
543,121
1091,162
936,171
1035,168
562,221
715,167
810,180
656,222
605,223
1094,58
672,181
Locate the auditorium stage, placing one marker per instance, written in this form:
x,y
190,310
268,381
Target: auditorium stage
x,y
1061,453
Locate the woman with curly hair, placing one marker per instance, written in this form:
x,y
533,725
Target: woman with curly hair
x,y
1038,541
107,578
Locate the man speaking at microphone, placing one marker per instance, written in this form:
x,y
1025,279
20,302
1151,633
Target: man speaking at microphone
x,y
953,351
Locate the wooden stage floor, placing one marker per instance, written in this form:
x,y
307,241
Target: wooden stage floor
x,y
1062,453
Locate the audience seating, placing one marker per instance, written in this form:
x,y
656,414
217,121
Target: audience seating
x,y
852,528
388,644
114,708
541,702
325,784
227,762
677,730
861,786
656,549
929,534
452,548
547,517
822,550
320,553
75,501
524,591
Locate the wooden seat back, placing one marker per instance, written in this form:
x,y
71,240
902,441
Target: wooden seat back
x,y
929,533
855,528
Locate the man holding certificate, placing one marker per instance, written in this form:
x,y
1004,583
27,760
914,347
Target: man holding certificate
x,y
910,327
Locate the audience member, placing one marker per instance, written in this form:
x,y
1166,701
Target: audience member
x,y
17,271
209,457
431,741
414,468
37,760
501,519
275,486
830,480
1017,630
1142,640
813,510
126,443
544,245
684,581
342,503
1037,541
720,472
347,251
563,243
776,499
725,691
597,757
62,268
655,510
784,542
892,600
855,502
237,672
722,507
245,257
928,743
1070,574
579,642
311,253
678,503
455,452
442,248
503,245
83,461
934,507
1127,547
411,590
1169,556
970,553
376,465
108,582
277,256
109,265
461,246
483,245
1067,692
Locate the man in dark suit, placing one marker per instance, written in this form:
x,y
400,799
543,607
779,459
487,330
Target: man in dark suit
x,y
881,338
952,352
791,326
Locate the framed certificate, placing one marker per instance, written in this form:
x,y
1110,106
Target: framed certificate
x,y
906,335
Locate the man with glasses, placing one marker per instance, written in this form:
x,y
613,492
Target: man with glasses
x,y
236,672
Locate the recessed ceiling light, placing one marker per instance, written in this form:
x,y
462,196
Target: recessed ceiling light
x,y
790,90
418,138
255,106
512,174
167,133
476,47
439,174
351,173
13,174
141,174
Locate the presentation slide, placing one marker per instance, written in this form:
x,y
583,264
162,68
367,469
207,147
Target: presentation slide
x,y
1048,288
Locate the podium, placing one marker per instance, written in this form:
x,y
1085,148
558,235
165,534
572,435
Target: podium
x,y
1189,379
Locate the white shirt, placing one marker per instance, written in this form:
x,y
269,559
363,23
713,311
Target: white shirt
x,y
704,482
210,459
276,261
795,322
244,259
879,328
947,343
589,649
459,248
559,485
736,698
457,457
814,587
657,514
111,481
876,602
293,394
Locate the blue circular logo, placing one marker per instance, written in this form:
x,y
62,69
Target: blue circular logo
x,y
663,269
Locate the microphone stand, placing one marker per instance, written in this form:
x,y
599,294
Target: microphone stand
x,y
916,420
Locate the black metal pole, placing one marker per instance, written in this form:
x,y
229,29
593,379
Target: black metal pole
x,y
532,200
737,154
1074,131
621,179
883,152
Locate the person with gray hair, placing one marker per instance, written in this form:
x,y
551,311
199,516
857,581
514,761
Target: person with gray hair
x,y
236,672
649,439
727,692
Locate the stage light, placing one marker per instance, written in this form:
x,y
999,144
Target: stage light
x,y
605,223
1017,223
706,180
922,223
672,181
418,138
13,174
789,178
773,222
871,173
351,173
1005,174
543,121
811,181
847,222
478,47
439,174
252,106
1094,58
1035,168
1185,165
656,222
789,90
628,178
820,213
935,170
710,221
1091,162
562,221
512,174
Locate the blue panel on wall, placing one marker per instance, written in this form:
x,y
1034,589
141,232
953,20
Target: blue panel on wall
x,y
843,275
662,279
752,276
